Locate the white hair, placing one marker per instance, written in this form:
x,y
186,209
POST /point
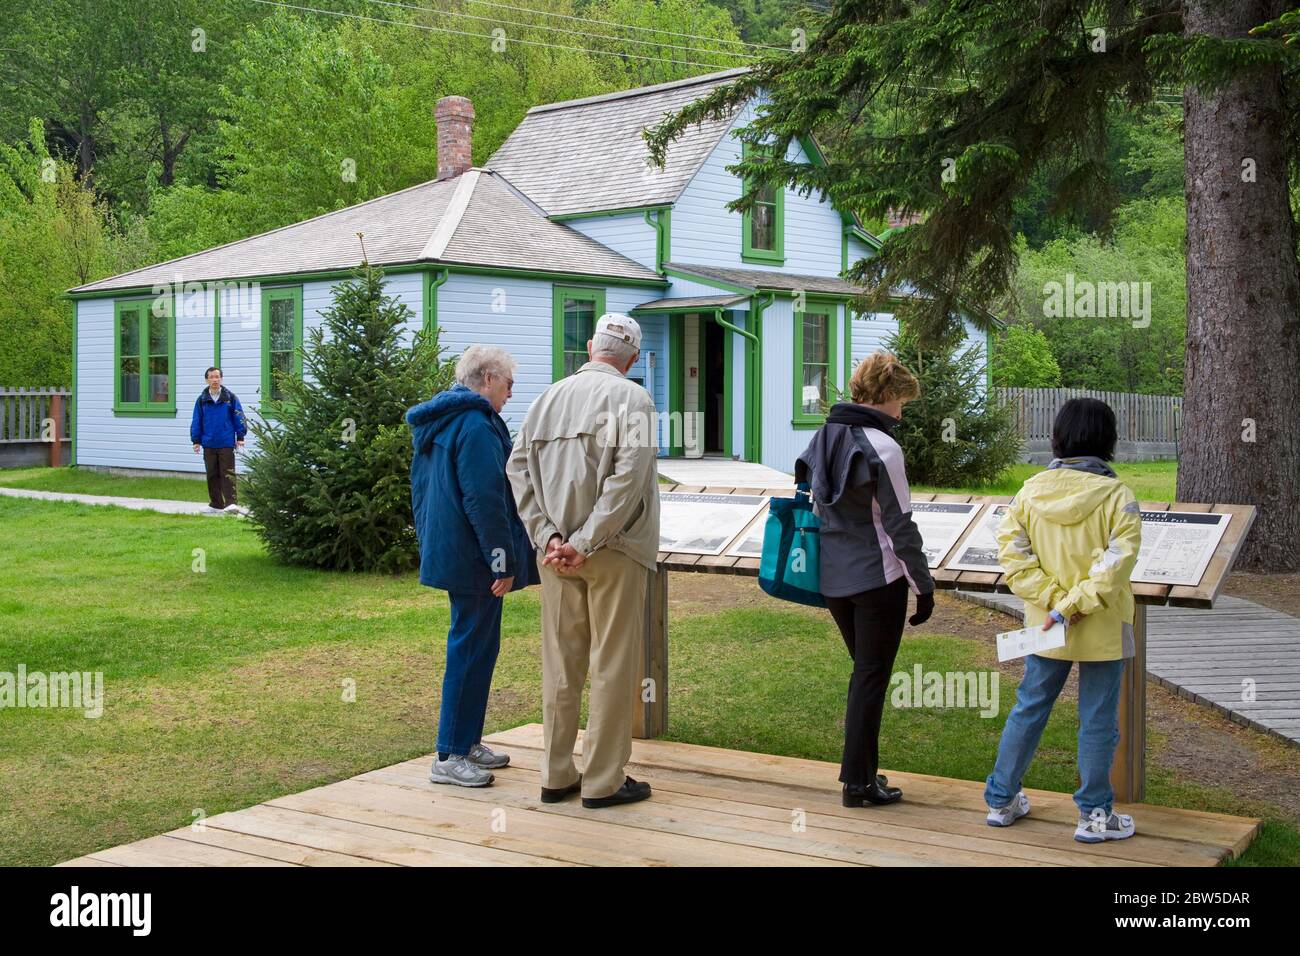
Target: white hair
x,y
478,360
621,351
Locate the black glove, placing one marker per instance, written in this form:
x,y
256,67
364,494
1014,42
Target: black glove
x,y
924,608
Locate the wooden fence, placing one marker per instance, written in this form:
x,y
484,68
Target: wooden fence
x,y
1149,425
34,425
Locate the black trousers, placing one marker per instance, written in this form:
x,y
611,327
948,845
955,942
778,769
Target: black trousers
x,y
220,466
871,623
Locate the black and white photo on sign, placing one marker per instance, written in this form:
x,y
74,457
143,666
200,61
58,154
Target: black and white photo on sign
x,y
979,552
941,524
692,523
750,542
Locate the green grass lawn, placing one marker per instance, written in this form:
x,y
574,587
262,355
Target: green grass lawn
x,y
1150,481
86,482
226,687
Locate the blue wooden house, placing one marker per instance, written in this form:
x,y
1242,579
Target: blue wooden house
x,y
746,318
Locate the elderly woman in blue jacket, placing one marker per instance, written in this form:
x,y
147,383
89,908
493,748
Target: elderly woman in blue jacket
x,y
472,545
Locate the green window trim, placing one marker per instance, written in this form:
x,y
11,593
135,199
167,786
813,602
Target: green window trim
x,y
800,418
559,294
748,251
143,308
848,352
280,294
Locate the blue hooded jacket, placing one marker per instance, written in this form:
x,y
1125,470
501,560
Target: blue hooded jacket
x,y
217,424
465,515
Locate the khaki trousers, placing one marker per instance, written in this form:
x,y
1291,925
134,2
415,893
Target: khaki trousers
x,y
593,615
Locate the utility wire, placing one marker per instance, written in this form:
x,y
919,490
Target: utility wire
x,y
485,36
581,33
612,23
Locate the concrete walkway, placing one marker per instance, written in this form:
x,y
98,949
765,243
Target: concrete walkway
x,y
164,505
723,472
1217,657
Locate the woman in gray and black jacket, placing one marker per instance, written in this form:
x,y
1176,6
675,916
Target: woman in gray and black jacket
x,y
871,553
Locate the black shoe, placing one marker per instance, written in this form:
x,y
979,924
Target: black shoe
x,y
857,794
630,792
555,795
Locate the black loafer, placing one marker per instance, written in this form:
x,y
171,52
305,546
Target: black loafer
x,y
630,792
555,795
856,795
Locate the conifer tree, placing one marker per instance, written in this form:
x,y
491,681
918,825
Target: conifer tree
x,y
328,484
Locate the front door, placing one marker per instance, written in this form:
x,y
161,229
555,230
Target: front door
x,y
706,368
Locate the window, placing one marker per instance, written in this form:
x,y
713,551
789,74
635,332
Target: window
x,y
814,358
763,226
144,351
575,311
281,339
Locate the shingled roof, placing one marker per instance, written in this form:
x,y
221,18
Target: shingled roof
x,y
759,279
588,154
476,218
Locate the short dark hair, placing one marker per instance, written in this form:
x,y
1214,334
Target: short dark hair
x,y
212,368
1084,426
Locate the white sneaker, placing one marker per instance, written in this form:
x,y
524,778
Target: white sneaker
x,y
1013,811
457,770
1097,827
482,756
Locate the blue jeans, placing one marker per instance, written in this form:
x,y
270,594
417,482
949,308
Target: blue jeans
x,y
1099,683
472,646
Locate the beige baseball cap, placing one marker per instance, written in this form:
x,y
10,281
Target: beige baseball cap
x,y
621,327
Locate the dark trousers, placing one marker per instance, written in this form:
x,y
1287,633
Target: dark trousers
x,y
473,642
220,466
871,623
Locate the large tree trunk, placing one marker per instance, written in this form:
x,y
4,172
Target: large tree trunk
x,y
1243,299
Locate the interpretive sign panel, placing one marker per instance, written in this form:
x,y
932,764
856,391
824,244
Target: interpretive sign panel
x,y
941,523
1177,546
691,523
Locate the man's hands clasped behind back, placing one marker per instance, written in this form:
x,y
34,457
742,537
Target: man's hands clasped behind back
x,y
563,557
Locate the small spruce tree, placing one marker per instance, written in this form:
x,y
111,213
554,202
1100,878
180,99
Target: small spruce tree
x,y
329,482
953,435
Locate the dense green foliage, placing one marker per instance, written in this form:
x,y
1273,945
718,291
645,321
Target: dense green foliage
x,y
329,482
1022,358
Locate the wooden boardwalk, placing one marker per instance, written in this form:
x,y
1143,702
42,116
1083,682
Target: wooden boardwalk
x,y
1209,656
711,807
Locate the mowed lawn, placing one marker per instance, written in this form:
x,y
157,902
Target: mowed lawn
x,y
245,680
1150,481
83,481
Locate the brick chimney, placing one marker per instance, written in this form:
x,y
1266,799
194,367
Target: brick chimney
x,y
455,118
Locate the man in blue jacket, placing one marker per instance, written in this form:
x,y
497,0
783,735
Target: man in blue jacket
x,y
217,429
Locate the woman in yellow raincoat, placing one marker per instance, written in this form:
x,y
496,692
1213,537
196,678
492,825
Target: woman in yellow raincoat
x,y
1068,544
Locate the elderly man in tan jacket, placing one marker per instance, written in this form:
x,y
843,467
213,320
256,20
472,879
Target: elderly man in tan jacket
x,y
584,477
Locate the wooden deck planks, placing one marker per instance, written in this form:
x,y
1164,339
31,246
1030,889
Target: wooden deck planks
x,y
711,807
